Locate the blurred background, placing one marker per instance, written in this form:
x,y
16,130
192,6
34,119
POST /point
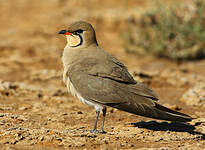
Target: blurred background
x,y
161,42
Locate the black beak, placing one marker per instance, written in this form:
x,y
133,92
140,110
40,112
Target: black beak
x,y
62,32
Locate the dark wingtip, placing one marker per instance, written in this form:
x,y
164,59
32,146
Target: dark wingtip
x,y
181,116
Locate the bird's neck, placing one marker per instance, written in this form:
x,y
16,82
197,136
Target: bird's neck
x,y
71,54
68,54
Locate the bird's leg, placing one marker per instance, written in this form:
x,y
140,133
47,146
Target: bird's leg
x,y
104,110
96,121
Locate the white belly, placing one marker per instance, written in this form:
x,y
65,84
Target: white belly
x,y
75,93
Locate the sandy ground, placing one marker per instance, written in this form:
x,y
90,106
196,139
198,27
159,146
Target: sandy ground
x,y
36,112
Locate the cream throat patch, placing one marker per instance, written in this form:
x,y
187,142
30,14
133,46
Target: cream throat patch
x,y
74,40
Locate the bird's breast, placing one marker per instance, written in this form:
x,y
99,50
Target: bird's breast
x,y
75,93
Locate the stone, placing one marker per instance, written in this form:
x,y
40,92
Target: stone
x,y
195,96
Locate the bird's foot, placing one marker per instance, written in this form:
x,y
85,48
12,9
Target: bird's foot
x,y
102,131
95,131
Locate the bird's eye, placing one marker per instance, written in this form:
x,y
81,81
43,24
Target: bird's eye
x,y
78,31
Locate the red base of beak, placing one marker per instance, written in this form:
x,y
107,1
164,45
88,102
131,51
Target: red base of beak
x,y
68,33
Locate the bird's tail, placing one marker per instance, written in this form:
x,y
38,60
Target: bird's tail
x,y
157,112
171,115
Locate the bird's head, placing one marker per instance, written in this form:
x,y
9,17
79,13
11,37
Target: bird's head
x,y
80,34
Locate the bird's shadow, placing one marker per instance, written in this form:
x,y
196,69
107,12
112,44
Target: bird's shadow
x,y
166,126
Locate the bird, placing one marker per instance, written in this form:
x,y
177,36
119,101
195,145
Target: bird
x,y
100,80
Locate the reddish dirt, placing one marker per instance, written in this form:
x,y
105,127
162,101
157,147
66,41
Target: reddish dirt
x,y
36,112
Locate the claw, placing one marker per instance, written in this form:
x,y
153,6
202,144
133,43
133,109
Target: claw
x,y
94,131
102,132
97,131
